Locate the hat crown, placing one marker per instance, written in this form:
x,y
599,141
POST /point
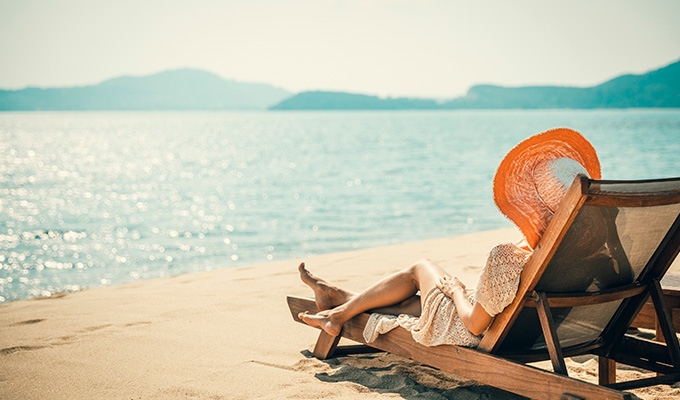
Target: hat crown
x,y
552,179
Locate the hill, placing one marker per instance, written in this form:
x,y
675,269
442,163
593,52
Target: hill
x,y
190,89
184,89
350,101
658,88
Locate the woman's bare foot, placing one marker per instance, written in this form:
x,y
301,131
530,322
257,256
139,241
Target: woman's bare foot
x,y
326,295
322,320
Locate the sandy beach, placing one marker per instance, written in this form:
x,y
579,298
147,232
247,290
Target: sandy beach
x,y
228,334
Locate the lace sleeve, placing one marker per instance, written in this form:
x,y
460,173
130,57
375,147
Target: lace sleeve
x,y
499,281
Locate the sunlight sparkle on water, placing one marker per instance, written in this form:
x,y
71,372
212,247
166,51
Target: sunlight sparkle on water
x,y
90,199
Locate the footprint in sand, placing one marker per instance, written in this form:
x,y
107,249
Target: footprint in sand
x,y
28,322
10,350
95,328
137,323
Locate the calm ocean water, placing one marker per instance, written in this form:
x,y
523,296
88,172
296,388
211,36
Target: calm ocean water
x,y
92,199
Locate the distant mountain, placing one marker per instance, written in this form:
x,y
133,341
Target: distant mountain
x,y
350,101
659,88
184,89
190,89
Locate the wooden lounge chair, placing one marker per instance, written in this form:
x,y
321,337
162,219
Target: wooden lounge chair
x,y
600,259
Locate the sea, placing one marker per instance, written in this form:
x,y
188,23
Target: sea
x,y
92,199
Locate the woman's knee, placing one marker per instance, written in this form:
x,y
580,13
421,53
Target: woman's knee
x,y
416,266
426,272
423,266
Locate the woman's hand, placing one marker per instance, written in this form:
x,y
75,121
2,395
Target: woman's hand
x,y
475,317
449,284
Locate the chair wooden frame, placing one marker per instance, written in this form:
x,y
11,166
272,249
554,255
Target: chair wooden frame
x,y
508,371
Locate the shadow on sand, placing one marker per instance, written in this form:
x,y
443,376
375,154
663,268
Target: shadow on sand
x,y
386,373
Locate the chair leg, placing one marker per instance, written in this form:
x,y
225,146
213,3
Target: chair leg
x,y
665,322
606,371
325,346
550,333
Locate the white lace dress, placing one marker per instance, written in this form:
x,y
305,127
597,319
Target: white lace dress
x,y
439,322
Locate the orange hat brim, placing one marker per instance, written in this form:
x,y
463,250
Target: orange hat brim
x,y
513,186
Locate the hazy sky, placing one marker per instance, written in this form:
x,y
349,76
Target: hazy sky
x,y
426,48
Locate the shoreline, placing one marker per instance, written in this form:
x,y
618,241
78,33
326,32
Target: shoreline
x,y
227,334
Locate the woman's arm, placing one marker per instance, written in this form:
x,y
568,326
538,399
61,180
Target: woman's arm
x,y
475,318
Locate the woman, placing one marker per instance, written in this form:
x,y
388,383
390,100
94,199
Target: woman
x,y
529,184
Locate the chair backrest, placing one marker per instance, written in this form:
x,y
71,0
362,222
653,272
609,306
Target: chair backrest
x,y
607,241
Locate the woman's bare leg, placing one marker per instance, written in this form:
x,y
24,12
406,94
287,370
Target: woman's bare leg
x,y
389,291
410,306
328,296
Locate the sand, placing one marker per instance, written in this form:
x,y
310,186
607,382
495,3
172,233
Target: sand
x,y
228,334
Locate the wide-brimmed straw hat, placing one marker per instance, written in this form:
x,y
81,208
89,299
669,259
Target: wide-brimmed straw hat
x,y
534,176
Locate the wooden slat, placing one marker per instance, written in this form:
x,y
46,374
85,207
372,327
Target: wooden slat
x,y
641,353
639,362
669,186
526,356
611,197
588,298
638,383
633,181
550,334
298,305
537,263
612,200
647,317
472,364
